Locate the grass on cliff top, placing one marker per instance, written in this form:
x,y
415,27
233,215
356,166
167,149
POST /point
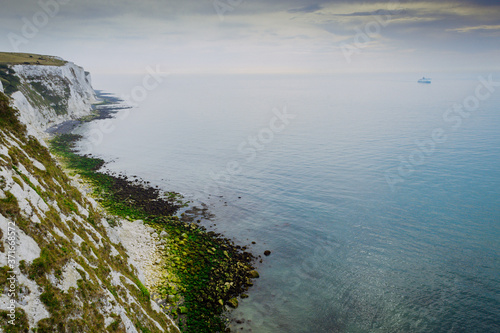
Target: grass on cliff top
x,y
8,58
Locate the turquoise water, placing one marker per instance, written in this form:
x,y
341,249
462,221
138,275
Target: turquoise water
x,y
350,251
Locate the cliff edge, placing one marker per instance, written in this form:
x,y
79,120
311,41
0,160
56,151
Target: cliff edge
x,y
65,265
49,93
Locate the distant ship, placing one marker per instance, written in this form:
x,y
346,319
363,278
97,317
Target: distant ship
x,y
424,80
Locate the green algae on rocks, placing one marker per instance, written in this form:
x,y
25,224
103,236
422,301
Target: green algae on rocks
x,y
208,271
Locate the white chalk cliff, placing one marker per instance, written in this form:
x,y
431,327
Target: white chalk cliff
x,y
52,94
73,272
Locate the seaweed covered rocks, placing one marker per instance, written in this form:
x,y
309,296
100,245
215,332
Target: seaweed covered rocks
x,y
207,271
211,270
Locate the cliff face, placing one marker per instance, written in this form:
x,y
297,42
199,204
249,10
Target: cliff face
x,y
51,94
63,264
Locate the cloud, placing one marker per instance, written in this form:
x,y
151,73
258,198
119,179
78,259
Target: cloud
x,y
476,28
377,12
191,33
307,9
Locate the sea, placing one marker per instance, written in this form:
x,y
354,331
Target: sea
x,y
378,197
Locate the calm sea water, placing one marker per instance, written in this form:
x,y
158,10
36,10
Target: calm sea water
x,y
350,251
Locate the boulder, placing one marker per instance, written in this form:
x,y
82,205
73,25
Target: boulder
x,y
233,302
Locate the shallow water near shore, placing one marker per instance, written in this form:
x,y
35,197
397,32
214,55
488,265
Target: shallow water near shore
x,y
350,251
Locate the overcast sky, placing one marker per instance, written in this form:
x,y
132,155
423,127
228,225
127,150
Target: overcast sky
x,y
253,36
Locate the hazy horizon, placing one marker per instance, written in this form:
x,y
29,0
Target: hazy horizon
x,y
242,36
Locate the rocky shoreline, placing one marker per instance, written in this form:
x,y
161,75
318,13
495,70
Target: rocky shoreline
x,y
195,275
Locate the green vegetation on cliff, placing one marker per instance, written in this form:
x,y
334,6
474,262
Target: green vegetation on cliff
x,y
10,81
70,233
8,117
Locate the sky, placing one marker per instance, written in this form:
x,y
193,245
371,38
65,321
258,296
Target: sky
x,y
257,36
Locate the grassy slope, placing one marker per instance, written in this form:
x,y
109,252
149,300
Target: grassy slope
x,y
79,309
8,58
